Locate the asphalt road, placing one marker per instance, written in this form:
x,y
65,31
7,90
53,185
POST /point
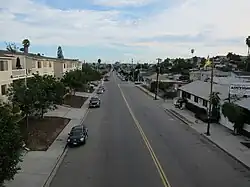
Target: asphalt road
x,y
146,149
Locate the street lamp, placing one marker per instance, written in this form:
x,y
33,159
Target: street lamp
x,y
210,98
157,77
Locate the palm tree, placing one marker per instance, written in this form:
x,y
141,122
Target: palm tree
x,y
192,51
26,44
215,101
99,61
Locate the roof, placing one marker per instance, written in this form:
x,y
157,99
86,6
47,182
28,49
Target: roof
x,y
5,52
161,76
228,80
202,89
208,72
242,73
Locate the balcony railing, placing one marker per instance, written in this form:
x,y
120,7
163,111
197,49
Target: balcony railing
x,y
17,73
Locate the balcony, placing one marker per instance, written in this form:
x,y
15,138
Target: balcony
x,y
18,73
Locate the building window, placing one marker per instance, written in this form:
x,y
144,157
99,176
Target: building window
x,y
204,103
196,99
3,65
4,89
39,64
45,64
50,64
33,64
64,65
188,95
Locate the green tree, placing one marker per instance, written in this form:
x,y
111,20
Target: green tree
x,y
22,96
40,94
10,142
74,80
45,92
90,74
203,61
60,53
180,65
235,115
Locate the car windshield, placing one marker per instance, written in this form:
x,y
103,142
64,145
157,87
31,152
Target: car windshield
x,y
94,99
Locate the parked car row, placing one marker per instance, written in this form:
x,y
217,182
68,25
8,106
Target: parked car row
x,y
79,134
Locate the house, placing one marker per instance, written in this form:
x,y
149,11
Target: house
x,y
15,66
166,78
61,66
228,80
198,92
240,74
204,75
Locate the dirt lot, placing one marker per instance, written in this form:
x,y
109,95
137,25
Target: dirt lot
x,y
42,132
74,101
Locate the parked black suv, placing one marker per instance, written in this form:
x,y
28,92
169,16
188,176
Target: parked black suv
x,y
78,135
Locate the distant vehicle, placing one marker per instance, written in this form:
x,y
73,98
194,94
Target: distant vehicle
x,y
178,102
106,78
100,91
138,82
94,102
102,88
78,135
123,79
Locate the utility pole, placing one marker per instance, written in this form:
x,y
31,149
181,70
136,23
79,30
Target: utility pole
x,y
26,89
133,69
210,98
157,77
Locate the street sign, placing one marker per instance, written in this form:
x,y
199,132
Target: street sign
x,y
240,89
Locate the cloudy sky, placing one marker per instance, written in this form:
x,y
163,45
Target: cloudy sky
x,y
124,29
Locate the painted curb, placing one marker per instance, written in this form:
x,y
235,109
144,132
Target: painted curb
x,y
211,141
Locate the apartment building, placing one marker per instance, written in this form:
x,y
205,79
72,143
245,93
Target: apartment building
x,y
14,66
66,65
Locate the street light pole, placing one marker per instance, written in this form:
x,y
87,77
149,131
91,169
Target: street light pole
x,y
210,99
133,69
157,77
26,89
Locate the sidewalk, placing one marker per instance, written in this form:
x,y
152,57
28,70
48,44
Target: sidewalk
x,y
221,136
37,166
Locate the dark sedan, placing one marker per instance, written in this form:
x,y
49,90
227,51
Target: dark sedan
x,y
94,102
78,135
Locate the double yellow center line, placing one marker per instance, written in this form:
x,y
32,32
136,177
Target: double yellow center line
x,y
145,139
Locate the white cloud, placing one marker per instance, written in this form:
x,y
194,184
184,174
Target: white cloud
x,y
215,20
122,3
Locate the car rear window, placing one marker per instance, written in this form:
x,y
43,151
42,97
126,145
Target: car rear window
x,y
75,132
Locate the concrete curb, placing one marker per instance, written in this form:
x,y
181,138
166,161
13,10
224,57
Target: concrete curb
x,y
56,166
207,138
184,120
65,150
